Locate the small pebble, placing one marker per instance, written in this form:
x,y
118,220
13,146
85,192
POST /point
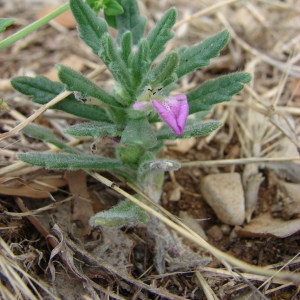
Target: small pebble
x,y
224,193
215,232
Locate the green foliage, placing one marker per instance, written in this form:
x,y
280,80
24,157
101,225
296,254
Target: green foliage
x,y
70,161
139,132
45,134
91,28
76,82
161,33
126,46
162,73
110,7
122,214
130,154
216,90
44,90
131,59
192,129
199,55
114,62
5,22
95,129
139,62
130,20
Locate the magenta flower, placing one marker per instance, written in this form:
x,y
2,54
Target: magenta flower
x,y
174,110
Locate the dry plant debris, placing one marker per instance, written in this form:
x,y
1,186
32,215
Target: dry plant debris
x,y
259,140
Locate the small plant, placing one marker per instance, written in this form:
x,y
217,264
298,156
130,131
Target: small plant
x,y
145,78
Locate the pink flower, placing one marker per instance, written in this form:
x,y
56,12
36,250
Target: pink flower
x,y
174,110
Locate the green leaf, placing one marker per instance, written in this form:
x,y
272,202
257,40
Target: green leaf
x,y
125,213
5,22
164,71
161,33
91,28
43,90
140,62
126,45
199,55
47,135
70,161
140,132
130,154
114,62
95,129
96,5
131,21
113,8
76,82
193,129
216,91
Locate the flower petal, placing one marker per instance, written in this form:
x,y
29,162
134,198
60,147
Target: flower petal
x,y
174,111
140,105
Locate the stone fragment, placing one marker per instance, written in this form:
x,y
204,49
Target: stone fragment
x,y
215,233
224,193
290,193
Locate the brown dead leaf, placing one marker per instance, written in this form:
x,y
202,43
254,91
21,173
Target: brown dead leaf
x,y
82,206
40,188
265,225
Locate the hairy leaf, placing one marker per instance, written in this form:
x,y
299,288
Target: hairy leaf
x,y
216,91
45,134
200,54
91,28
131,20
190,130
114,62
76,82
140,62
43,90
122,214
164,70
161,33
70,161
126,45
95,129
139,131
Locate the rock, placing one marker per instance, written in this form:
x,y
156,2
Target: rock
x,y
215,233
290,193
224,193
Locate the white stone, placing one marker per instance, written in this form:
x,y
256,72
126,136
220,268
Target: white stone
x,y
224,193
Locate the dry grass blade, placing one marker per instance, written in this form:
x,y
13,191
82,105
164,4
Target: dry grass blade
x,y
209,293
17,281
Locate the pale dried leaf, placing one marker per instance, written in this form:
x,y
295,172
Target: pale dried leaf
x,y
265,225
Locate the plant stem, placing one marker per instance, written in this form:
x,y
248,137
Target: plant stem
x,y
35,25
